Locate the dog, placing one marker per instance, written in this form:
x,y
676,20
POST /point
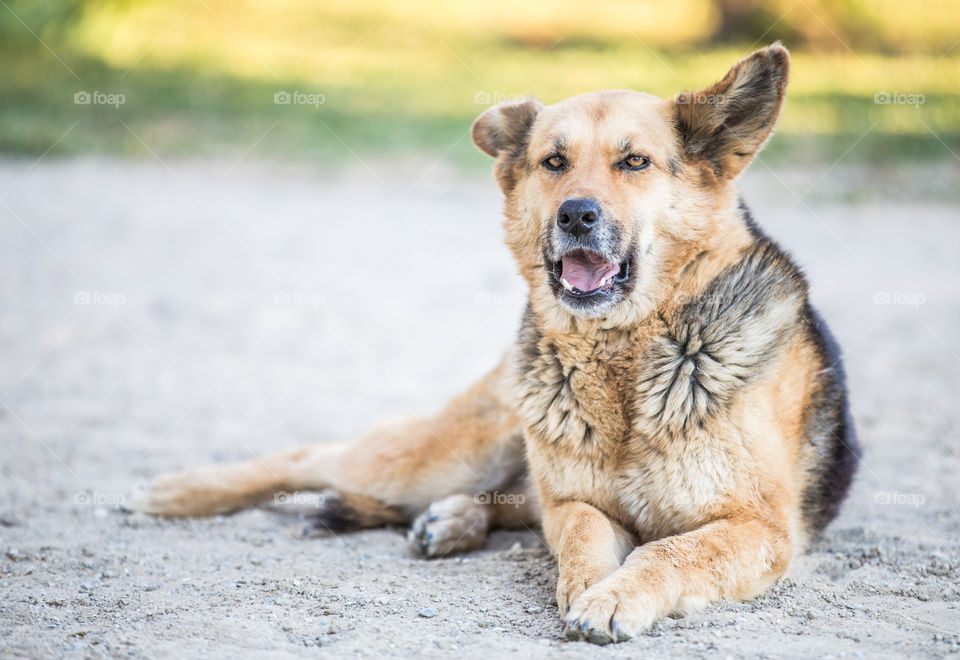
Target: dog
x,y
673,412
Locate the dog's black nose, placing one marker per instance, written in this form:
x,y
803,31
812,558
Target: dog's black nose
x,y
578,216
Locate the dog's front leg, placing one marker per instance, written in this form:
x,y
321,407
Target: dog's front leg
x,y
588,546
727,558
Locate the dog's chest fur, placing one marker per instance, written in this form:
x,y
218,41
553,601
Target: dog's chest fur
x,y
581,405
635,421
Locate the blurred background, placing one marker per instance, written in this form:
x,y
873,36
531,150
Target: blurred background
x,y
327,77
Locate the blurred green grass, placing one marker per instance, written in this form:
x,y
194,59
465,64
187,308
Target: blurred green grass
x,y
199,77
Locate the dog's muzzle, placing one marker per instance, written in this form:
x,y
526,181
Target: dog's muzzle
x,y
586,273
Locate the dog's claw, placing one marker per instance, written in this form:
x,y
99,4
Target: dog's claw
x,y
599,637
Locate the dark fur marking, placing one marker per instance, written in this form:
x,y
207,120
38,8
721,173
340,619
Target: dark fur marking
x,y
564,384
830,430
587,435
720,341
337,515
542,372
673,166
529,337
752,225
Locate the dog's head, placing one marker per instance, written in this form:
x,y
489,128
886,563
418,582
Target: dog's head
x,y
606,192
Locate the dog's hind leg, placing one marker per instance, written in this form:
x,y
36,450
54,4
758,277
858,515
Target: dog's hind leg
x,y
472,445
219,489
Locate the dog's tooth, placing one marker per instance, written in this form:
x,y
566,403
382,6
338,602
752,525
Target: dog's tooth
x,y
566,284
602,282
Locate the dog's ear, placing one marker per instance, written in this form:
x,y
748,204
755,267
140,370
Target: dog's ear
x,y
503,129
727,124
502,132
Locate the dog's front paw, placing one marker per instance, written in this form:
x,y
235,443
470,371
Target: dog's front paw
x,y
607,613
453,524
573,581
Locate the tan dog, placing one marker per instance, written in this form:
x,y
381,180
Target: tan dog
x,y
678,405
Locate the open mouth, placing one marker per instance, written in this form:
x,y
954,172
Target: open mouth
x,y
585,274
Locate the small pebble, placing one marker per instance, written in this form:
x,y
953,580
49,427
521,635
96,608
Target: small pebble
x,y
428,612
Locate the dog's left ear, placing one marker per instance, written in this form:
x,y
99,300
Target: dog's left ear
x,y
502,132
727,124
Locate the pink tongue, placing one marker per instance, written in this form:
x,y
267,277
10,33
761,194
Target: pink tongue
x,y
584,270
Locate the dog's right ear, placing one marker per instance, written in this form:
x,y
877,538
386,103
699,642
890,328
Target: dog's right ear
x,y
502,132
504,128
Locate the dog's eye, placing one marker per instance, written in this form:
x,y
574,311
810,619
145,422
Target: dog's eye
x,y
554,163
634,162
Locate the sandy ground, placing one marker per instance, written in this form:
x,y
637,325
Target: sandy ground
x,y
155,317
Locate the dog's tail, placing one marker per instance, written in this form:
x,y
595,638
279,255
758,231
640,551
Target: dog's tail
x,y
346,512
